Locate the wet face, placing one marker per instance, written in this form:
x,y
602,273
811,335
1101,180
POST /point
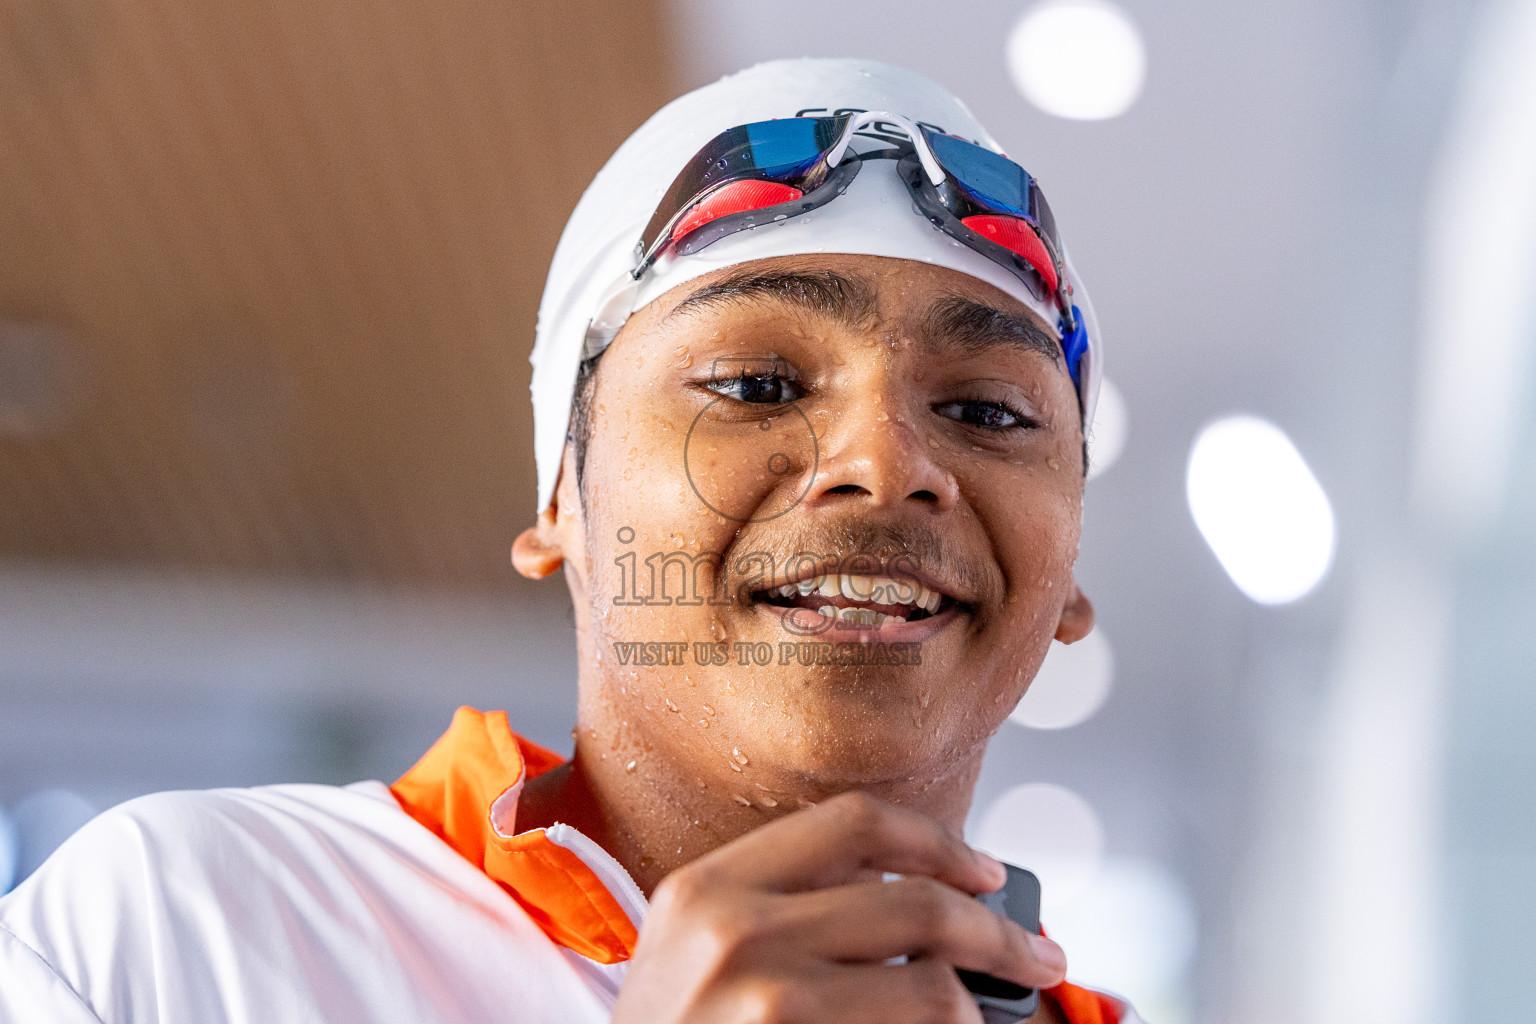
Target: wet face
x,y
828,517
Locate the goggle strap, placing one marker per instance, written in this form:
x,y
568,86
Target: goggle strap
x,y
1074,343
613,309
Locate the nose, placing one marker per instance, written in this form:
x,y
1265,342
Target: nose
x,y
872,453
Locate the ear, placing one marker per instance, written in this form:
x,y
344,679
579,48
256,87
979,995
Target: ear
x,y
1076,619
543,548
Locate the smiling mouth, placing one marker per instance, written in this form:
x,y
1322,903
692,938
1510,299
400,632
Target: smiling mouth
x,y
860,601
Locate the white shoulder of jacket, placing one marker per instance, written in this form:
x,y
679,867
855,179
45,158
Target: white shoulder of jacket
x,y
296,902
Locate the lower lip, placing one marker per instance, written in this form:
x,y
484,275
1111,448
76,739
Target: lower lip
x,y
897,632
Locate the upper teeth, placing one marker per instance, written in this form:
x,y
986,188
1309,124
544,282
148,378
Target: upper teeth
x,y
871,589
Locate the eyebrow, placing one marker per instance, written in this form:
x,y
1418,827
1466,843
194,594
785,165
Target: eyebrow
x,y
978,328
951,321
821,292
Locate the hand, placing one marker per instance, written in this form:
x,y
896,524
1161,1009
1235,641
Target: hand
x,y
791,923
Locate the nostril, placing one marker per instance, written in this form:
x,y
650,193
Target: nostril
x,y
927,497
845,489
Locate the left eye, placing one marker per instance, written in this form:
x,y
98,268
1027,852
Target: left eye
x,y
758,389
987,415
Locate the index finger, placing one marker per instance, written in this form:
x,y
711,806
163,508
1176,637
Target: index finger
x,y
851,834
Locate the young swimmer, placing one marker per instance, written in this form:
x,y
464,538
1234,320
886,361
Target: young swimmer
x,y
809,386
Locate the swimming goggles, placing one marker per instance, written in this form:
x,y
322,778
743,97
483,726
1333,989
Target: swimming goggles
x,y
769,171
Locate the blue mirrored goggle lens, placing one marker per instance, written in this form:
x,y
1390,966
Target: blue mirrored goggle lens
x,y
781,150
788,143
993,180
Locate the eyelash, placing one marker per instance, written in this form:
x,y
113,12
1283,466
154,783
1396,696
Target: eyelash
x,y
1021,420
783,382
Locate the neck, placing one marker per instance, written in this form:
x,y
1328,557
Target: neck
x,y
655,813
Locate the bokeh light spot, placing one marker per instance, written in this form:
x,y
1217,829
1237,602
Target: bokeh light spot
x,y
1260,509
1111,426
1077,59
1072,684
1051,831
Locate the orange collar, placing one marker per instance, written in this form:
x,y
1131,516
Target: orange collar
x,y
467,785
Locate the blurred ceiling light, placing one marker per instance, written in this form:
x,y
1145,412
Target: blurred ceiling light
x,y
1260,509
43,821
37,385
9,852
1479,279
1078,59
1111,424
1378,821
1072,684
1133,931
1051,831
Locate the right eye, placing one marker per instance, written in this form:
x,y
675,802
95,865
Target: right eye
x,y
757,388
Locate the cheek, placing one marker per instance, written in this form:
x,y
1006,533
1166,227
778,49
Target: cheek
x,y
647,529
1036,544
748,467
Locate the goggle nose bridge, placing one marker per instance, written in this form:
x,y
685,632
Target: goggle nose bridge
x,y
865,118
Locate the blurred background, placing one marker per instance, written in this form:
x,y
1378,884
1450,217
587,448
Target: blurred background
x,y
268,280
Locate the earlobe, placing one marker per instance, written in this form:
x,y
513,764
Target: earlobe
x,y
535,553
1076,619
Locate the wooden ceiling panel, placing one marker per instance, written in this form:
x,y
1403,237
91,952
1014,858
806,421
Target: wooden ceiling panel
x,y
269,271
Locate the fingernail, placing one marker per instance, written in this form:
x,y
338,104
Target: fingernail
x,y
1048,953
993,865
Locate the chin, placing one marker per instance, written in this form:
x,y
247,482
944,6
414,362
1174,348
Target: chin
x,y
850,744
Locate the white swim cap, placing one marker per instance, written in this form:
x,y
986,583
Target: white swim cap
x,y
875,217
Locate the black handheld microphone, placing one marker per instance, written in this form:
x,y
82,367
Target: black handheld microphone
x,y
1003,1002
